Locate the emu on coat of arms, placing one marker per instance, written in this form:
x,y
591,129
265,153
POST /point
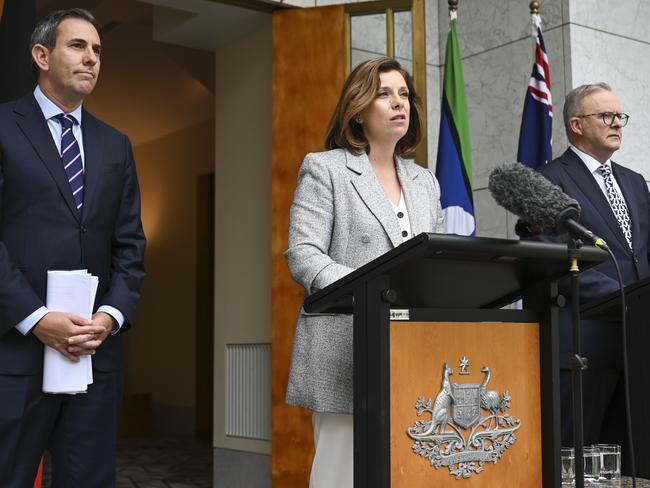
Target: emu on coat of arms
x,y
457,408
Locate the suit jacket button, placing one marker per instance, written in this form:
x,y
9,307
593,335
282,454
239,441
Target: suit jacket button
x,y
365,238
84,229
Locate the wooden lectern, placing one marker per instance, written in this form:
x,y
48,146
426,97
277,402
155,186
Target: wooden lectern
x,y
637,301
449,389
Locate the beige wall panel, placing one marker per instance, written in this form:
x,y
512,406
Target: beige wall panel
x,y
242,212
160,348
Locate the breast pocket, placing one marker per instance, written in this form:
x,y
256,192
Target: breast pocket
x,y
110,177
112,167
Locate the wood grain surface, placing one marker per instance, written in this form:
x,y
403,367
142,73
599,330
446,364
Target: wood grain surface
x,y
308,73
511,351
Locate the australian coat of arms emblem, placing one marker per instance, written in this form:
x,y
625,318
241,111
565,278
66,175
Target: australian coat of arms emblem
x,y
464,427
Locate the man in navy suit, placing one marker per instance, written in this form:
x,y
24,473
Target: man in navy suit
x,y
55,219
615,206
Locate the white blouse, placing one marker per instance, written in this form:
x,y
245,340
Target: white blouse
x,y
402,217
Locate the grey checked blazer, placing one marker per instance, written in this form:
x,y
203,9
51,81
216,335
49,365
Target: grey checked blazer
x,y
341,219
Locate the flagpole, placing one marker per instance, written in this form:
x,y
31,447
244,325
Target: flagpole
x,y
453,8
534,15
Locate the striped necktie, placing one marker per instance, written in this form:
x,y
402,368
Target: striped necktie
x,y
71,156
619,207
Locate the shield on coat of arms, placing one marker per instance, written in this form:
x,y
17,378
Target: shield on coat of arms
x,y
466,406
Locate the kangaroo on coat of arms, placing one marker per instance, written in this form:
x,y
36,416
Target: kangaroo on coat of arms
x,y
458,407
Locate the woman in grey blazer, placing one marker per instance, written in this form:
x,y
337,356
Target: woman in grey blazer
x,y
353,203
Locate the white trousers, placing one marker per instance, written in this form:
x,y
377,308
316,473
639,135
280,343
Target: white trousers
x,y
333,438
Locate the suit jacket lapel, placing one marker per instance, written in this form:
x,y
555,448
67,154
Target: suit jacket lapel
x,y
93,157
585,181
372,193
413,193
32,123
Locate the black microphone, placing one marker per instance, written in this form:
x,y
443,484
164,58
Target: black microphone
x,y
543,206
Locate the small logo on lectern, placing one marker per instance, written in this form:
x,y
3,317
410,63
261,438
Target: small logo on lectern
x,y
464,365
443,439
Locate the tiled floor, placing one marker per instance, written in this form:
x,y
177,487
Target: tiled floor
x,y
640,483
160,462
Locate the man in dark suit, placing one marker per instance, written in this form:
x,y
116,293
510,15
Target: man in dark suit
x,y
69,199
615,206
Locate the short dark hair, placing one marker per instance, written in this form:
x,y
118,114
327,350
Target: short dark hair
x,y
46,30
359,91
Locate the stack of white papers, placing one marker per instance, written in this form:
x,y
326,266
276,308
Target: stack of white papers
x,y
72,292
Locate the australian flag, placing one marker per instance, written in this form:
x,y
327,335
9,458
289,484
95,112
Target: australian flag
x,y
535,137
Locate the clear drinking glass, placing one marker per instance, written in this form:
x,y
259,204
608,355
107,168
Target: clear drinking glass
x,y
568,466
610,462
592,464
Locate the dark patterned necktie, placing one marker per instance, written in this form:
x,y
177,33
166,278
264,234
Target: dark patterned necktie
x,y
71,156
619,207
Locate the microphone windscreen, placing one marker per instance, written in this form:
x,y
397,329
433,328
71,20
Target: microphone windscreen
x,y
531,197
524,229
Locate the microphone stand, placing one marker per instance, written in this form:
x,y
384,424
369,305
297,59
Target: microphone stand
x,y
578,364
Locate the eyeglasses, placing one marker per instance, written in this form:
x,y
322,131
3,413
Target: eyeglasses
x,y
609,117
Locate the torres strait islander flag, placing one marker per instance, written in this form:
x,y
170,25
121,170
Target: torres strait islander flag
x,y
536,134
454,161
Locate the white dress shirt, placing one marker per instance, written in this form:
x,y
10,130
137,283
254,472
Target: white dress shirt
x,y
593,165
